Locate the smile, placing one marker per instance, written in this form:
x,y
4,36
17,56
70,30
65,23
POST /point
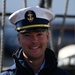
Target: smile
x,y
34,48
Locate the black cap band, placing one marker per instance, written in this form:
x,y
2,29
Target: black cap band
x,y
24,24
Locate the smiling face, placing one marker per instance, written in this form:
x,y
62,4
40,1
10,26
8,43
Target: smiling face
x,y
34,43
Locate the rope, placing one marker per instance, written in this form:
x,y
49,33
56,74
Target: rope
x,y
74,33
63,24
2,33
25,3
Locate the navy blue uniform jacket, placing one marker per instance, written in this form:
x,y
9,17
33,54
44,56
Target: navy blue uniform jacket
x,y
22,68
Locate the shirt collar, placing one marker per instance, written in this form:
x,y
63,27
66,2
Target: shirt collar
x,y
41,67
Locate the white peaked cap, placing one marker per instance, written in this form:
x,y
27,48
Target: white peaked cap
x,y
31,17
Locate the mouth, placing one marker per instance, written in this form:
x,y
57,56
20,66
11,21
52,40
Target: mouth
x,y
34,47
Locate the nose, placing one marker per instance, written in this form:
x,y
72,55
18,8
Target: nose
x,y
34,39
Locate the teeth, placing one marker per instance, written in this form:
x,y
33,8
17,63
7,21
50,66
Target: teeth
x,y
34,47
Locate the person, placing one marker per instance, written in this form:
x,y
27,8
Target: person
x,y
33,57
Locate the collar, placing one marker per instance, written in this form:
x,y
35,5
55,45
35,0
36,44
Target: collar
x,y
42,66
49,63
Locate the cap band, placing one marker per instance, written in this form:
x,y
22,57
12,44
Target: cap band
x,y
32,26
38,22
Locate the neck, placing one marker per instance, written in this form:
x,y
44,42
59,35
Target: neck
x,y
35,64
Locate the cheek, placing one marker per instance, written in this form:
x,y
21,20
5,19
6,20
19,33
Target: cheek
x,y
23,41
24,44
43,40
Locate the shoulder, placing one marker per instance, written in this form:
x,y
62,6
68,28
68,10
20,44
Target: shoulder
x,y
9,71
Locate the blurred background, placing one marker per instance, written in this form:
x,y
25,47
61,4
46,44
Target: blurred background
x,y
62,39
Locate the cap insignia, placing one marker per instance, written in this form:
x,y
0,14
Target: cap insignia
x,y
30,15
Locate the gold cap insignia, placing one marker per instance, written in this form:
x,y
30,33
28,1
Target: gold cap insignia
x,y
30,15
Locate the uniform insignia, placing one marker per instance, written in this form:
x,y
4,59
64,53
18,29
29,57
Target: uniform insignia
x,y
30,15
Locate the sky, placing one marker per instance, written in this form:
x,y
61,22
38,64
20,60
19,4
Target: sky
x,y
57,7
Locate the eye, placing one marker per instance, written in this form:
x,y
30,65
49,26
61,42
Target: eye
x,y
26,35
39,34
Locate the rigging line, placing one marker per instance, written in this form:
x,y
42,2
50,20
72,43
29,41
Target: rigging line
x,y
2,33
62,27
25,3
74,33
